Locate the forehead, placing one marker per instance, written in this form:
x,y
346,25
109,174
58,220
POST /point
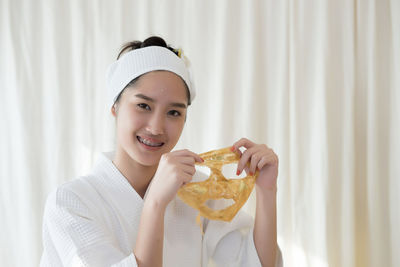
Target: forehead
x,y
164,84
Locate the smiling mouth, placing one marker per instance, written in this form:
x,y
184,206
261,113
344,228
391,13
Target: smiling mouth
x,y
148,142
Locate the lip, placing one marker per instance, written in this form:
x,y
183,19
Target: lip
x,y
147,147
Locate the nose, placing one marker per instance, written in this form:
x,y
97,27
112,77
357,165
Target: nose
x,y
155,124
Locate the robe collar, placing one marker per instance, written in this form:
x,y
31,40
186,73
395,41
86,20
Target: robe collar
x,y
117,187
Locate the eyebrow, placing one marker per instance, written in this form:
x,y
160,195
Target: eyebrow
x,y
145,97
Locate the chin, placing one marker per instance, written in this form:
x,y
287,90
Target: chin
x,y
145,159
148,157
149,162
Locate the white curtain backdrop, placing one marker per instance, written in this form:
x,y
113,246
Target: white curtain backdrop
x,y
316,80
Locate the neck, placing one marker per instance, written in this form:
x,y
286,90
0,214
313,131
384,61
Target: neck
x,y
139,176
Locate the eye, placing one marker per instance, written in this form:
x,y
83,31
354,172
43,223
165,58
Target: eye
x,y
174,113
143,106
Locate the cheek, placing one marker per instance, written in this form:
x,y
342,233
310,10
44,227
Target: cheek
x,y
175,129
128,121
179,129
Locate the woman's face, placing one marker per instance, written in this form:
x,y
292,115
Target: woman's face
x,y
150,116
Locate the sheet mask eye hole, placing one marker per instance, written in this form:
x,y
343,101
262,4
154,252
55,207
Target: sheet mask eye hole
x,y
202,173
229,171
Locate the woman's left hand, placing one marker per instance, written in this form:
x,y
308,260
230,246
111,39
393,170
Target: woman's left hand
x,y
258,157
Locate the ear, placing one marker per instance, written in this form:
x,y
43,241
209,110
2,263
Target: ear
x,y
113,111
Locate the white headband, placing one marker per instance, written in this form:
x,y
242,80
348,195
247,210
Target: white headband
x,y
140,61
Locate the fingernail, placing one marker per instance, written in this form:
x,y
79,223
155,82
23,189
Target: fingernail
x,y
233,148
238,172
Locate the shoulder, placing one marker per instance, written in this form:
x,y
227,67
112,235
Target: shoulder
x,y
78,195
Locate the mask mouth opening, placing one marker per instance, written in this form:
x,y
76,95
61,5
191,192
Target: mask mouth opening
x,y
219,204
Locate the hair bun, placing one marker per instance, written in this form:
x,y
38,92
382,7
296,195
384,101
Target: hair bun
x,y
151,41
154,41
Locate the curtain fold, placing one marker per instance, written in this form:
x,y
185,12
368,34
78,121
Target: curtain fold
x,y
317,81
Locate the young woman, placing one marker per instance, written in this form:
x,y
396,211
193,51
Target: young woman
x,y
126,213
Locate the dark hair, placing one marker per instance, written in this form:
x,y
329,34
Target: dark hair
x,y
151,41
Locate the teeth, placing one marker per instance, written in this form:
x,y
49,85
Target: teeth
x,y
147,142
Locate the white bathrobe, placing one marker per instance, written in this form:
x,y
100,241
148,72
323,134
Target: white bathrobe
x,y
94,221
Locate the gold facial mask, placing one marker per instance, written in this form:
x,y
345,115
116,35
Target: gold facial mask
x,y
196,194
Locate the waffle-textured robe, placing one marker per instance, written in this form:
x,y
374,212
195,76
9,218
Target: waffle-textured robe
x,y
94,221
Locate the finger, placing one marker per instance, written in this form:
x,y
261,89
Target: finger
x,y
186,152
186,178
190,170
267,160
188,160
255,159
246,169
243,142
236,150
244,159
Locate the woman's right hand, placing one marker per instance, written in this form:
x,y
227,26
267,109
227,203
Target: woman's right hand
x,y
174,170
